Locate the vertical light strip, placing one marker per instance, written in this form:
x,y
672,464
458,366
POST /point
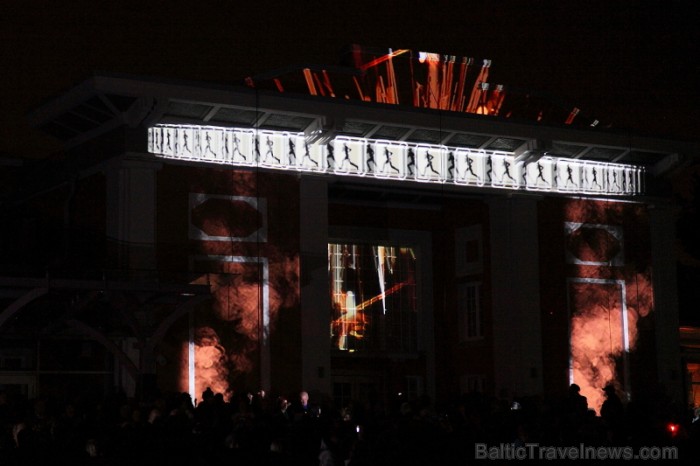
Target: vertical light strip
x,y
191,359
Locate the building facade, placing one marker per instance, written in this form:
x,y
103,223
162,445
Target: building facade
x,y
242,238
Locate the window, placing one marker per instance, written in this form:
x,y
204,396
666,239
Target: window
x,y
693,369
469,309
468,251
373,297
414,387
472,383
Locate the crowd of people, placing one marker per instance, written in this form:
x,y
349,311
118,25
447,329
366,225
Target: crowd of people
x,y
259,429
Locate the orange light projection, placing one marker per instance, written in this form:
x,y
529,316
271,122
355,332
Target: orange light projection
x,y
421,79
373,297
606,297
228,341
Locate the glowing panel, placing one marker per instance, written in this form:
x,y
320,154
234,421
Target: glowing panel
x,y
391,160
238,146
540,175
430,163
348,156
593,177
568,175
272,150
470,167
309,157
386,159
506,173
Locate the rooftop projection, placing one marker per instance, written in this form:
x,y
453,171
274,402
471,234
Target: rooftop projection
x,y
394,160
425,80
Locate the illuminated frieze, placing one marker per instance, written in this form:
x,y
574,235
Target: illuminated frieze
x,y
427,163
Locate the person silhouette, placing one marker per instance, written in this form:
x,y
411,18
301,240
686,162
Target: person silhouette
x,y
185,138
613,413
346,158
411,161
207,138
370,159
256,148
307,155
624,180
470,168
292,152
430,157
330,155
197,142
270,150
615,183
540,173
225,148
387,160
506,172
157,140
451,165
236,147
570,176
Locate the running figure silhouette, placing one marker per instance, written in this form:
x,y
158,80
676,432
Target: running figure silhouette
x,y
451,165
270,152
370,159
387,160
570,176
429,165
307,155
207,138
470,168
185,138
540,173
236,147
411,162
506,173
292,152
346,151
594,172
330,155
226,151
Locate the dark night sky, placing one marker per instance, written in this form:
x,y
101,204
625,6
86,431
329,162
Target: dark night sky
x,y
634,66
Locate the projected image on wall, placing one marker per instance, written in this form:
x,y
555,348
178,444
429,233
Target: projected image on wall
x,y
373,297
